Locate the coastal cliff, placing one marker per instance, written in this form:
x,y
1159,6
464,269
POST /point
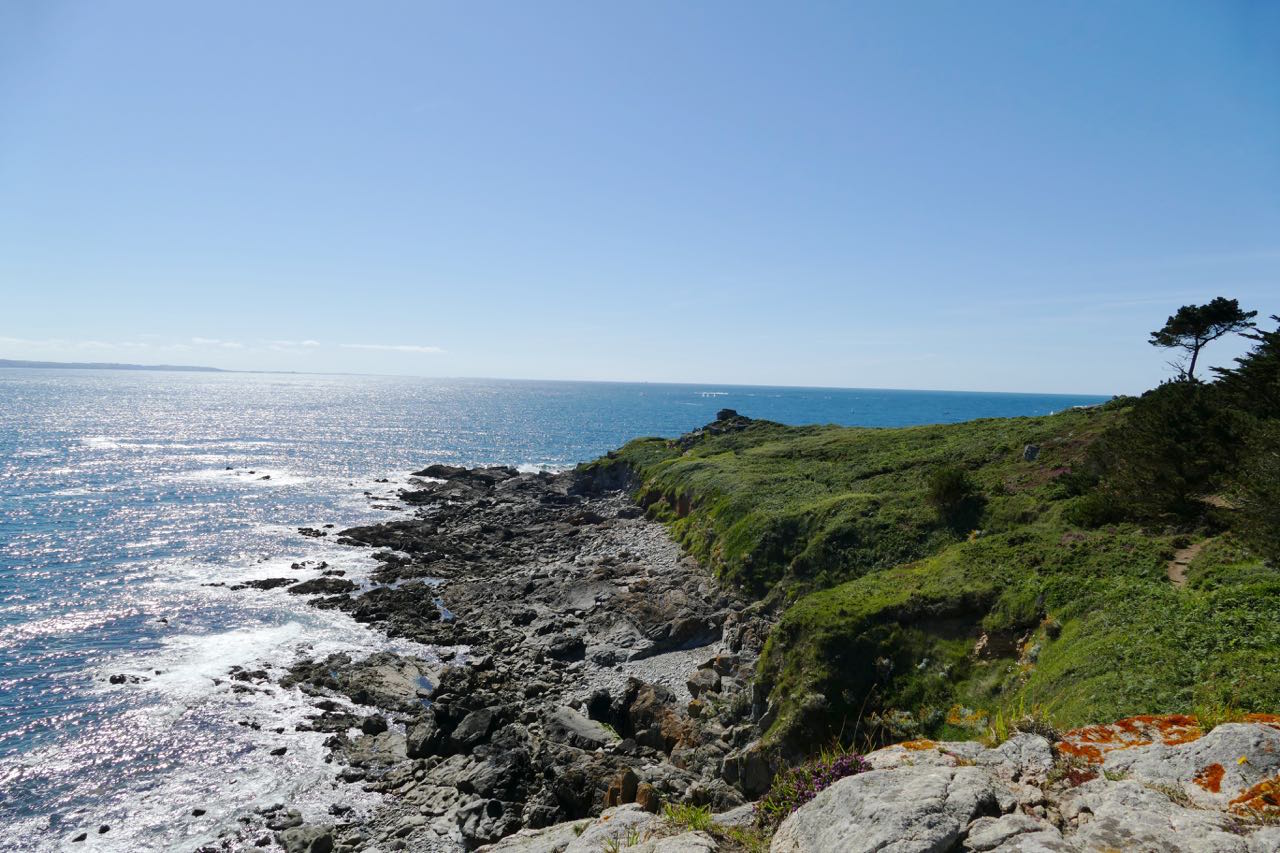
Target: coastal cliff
x,y
630,654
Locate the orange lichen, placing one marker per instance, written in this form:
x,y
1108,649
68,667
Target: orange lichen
x,y
1272,720
1262,797
1093,742
959,715
917,745
1210,778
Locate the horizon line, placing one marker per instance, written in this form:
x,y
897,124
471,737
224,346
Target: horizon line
x,y
32,364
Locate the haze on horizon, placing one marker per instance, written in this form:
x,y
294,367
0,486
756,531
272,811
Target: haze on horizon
x,y
999,196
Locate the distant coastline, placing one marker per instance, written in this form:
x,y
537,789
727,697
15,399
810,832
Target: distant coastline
x,y
103,365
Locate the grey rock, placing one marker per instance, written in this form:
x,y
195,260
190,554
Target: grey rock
x,y
743,815
306,839
907,810
943,754
377,750
1265,840
565,725
425,738
615,826
1022,758
703,681
1013,832
552,839
751,769
1179,766
284,819
474,729
1127,815
686,842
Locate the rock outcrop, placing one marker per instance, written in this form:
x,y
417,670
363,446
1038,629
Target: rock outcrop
x,y
1144,783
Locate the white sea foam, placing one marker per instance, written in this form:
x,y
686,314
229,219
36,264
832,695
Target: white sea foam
x,y
35,453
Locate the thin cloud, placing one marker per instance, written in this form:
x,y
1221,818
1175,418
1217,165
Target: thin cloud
x,y
393,347
63,343
281,344
1212,258
217,342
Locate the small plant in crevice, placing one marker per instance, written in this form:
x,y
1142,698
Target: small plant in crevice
x,y
1071,770
693,818
1036,719
796,786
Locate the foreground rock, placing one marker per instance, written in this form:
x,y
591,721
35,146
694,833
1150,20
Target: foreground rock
x,y
628,828
1158,785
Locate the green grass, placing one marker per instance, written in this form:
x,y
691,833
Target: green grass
x,y
689,817
884,596
823,504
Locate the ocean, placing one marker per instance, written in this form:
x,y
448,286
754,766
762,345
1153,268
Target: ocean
x,y
125,496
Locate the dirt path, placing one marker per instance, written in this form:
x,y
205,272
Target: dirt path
x,y
1177,568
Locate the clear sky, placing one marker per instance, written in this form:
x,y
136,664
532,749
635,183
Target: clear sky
x,y
985,195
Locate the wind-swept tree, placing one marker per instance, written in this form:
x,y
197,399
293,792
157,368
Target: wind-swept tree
x,y
1194,326
1254,383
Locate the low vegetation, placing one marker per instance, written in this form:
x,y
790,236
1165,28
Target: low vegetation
x,y
794,787
933,580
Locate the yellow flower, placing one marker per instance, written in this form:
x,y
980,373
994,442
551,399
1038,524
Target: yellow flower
x,y
1244,759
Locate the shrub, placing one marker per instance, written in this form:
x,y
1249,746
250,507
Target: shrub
x,y
1178,443
1260,493
1093,510
954,495
793,788
1073,483
1254,383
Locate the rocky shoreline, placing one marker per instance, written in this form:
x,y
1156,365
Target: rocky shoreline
x,y
583,663
587,673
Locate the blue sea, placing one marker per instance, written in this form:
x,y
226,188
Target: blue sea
x,y
124,495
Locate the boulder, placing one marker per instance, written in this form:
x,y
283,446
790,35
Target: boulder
x,y
1024,758
474,729
441,472
622,789
551,839
616,827
907,810
482,821
282,819
1127,815
1209,770
648,798
306,839
703,681
323,586
565,725
686,842
1014,832
426,737
373,724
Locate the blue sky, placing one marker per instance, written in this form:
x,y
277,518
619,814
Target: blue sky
x,y
986,196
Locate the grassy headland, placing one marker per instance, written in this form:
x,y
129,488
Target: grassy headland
x,y
902,615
